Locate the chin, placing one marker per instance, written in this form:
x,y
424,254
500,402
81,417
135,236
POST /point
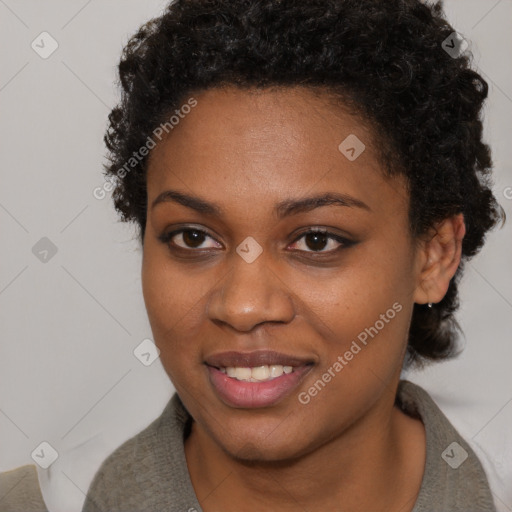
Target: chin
x,y
260,449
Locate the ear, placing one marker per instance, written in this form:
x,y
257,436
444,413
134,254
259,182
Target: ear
x,y
438,258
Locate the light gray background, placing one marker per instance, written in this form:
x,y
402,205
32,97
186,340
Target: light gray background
x,y
69,326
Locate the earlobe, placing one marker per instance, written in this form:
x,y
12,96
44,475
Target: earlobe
x,y
440,257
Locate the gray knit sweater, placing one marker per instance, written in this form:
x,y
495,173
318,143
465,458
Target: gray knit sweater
x,y
149,471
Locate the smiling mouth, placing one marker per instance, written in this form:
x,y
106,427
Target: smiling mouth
x,y
255,379
256,366
262,373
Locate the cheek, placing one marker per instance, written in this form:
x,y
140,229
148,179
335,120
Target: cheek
x,y
367,318
354,297
174,299
363,315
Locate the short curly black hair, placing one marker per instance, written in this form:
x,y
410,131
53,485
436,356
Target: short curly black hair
x,y
384,58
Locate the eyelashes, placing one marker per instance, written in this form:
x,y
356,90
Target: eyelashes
x,y
167,237
324,237
191,239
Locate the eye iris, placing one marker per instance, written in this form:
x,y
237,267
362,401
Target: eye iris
x,y
316,237
193,238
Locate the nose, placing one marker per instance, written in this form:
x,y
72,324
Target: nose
x,y
251,294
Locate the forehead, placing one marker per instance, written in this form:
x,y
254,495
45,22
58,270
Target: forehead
x,y
256,146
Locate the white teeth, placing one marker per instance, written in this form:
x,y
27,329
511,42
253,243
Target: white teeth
x,y
258,373
243,373
276,370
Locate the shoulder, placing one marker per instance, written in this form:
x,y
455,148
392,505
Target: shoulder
x,y
454,478
133,470
20,491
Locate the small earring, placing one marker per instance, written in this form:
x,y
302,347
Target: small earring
x,y
429,304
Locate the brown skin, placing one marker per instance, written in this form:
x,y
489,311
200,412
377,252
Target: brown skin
x,y
350,446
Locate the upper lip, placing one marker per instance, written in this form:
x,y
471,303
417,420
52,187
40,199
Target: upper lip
x,y
253,359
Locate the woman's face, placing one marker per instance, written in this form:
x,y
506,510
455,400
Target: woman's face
x,y
245,285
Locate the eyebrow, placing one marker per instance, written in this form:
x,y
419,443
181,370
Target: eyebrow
x,y
283,209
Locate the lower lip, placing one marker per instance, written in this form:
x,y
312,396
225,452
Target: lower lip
x,y
238,393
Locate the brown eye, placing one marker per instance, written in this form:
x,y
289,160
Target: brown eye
x,y
317,240
188,238
193,238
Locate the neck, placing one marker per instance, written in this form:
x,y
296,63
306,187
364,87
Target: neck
x,y
375,464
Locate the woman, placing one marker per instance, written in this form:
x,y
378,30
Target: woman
x,y
308,179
